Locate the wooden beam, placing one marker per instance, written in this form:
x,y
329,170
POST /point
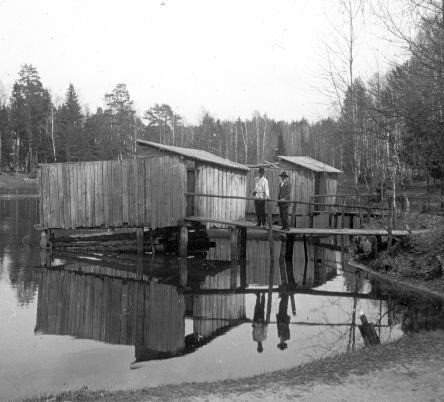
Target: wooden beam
x,y
139,235
183,241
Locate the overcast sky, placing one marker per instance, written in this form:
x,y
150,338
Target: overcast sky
x,y
228,57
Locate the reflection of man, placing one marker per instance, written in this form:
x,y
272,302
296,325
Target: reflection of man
x,y
259,325
261,193
283,322
284,197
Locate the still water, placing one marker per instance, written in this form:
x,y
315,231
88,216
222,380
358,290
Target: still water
x,y
67,321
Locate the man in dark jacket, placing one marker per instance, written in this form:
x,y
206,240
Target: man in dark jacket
x,y
283,198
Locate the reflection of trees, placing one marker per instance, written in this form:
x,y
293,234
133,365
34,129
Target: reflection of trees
x,y
18,242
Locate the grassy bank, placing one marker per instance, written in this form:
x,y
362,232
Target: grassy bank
x,y
420,349
418,259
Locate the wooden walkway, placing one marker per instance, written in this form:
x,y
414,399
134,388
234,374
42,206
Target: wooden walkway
x,y
306,231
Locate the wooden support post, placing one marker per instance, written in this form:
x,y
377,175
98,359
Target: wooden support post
x,y
45,258
242,244
153,249
183,272
183,241
243,257
282,254
342,226
271,245
305,260
139,236
234,244
44,241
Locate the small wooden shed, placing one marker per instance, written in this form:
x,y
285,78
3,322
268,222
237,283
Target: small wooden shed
x,y
325,176
206,174
307,177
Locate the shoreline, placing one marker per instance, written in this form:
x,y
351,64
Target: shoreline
x,y
397,280
419,351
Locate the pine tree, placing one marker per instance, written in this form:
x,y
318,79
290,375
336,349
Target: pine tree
x,y
30,107
72,146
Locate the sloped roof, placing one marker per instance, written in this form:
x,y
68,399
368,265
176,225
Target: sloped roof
x,y
310,163
195,154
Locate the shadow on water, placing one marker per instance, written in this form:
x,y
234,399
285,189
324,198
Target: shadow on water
x,y
174,320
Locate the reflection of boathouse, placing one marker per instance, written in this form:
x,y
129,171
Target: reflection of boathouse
x,y
115,306
121,310
215,313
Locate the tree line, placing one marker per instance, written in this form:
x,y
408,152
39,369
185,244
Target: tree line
x,y
33,130
392,123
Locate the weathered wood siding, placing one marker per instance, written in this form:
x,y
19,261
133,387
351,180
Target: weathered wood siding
x,y
302,184
219,181
213,313
133,192
118,310
328,184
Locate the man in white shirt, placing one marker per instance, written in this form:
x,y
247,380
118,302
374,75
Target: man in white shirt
x,y
261,193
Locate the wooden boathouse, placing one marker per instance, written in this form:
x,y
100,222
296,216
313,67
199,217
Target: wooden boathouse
x,y
147,191
208,174
307,176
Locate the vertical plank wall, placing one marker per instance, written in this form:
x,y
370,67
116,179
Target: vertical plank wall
x,y
133,192
211,313
220,181
117,310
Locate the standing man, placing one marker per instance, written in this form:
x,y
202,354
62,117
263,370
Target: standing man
x,y
261,193
283,198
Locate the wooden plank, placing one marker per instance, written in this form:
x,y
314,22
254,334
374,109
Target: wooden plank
x,y
81,194
44,188
89,305
141,191
99,213
131,192
116,298
67,196
124,314
89,180
148,189
60,202
136,192
54,213
117,194
106,310
72,204
97,309
125,193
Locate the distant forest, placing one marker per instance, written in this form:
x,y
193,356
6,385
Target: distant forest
x,y
393,122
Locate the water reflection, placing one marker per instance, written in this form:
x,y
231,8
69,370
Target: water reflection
x,y
214,316
117,306
18,241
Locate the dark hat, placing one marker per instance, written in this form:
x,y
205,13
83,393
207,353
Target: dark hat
x,y
284,174
261,170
